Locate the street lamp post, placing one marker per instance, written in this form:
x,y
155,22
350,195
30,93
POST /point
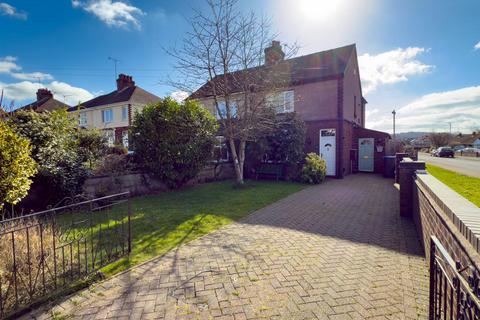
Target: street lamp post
x,y
394,140
394,113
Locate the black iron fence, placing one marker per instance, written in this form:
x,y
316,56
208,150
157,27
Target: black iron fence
x,y
454,289
48,251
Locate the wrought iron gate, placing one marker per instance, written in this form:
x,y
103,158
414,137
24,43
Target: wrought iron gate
x,y
454,289
45,252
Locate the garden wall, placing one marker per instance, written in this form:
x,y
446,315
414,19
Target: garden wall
x,y
143,183
438,210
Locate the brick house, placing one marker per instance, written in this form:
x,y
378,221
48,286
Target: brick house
x,y
324,89
112,112
45,102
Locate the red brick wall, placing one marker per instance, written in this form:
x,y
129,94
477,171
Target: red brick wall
x,y
352,93
430,220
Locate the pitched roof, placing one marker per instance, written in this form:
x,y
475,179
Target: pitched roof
x,y
304,69
45,104
133,94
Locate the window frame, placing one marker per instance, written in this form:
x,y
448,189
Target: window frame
x,y
104,118
125,138
125,113
82,118
221,143
279,101
233,109
110,135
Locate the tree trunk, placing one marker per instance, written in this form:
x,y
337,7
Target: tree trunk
x,y
238,166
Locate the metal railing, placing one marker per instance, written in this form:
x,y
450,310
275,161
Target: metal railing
x,y
48,251
453,295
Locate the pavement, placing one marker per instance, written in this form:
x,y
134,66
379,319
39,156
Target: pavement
x,y
464,165
339,250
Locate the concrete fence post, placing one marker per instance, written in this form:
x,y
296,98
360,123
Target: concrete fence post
x,y
407,169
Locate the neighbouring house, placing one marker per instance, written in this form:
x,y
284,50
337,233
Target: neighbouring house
x,y
476,143
113,112
324,89
45,102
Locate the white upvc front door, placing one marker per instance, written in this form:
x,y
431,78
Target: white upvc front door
x,y
328,149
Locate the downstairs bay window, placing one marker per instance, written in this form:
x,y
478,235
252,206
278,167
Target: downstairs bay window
x,y
220,150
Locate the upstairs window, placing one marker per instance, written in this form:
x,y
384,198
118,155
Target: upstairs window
x,y
124,113
282,102
82,119
107,115
221,112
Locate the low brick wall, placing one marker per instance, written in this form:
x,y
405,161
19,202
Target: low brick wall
x,y
438,210
143,183
467,154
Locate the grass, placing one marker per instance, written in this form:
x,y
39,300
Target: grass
x,y
164,221
468,187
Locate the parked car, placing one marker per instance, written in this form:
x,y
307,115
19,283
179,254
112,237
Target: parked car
x,y
458,148
445,152
472,150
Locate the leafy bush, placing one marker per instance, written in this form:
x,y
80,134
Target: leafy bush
x,y
16,166
283,144
117,149
173,141
92,146
53,136
314,169
115,164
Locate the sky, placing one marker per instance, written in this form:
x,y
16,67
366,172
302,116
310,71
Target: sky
x,y
421,58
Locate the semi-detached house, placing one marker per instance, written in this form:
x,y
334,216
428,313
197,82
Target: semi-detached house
x,y
324,89
113,112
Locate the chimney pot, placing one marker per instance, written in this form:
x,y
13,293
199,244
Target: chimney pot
x,y
124,81
43,93
274,53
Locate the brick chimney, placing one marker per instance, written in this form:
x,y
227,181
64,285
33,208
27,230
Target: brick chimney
x,y
44,93
124,81
274,54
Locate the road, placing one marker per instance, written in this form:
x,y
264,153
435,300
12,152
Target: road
x,y
463,165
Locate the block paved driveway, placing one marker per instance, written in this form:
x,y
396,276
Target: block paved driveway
x,y
334,251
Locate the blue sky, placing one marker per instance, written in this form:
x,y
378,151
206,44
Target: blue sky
x,y
418,57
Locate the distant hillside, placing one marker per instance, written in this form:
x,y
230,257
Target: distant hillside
x,y
410,135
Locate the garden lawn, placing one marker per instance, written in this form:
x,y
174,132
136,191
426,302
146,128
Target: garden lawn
x,y
468,187
162,222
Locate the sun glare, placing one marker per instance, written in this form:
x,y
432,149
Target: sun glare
x,y
318,9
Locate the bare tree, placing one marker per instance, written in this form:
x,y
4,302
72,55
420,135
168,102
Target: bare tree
x,y
224,52
440,139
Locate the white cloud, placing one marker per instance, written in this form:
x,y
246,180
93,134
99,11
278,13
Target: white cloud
x,y
8,10
26,90
433,112
40,76
114,14
390,67
9,66
179,96
477,46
